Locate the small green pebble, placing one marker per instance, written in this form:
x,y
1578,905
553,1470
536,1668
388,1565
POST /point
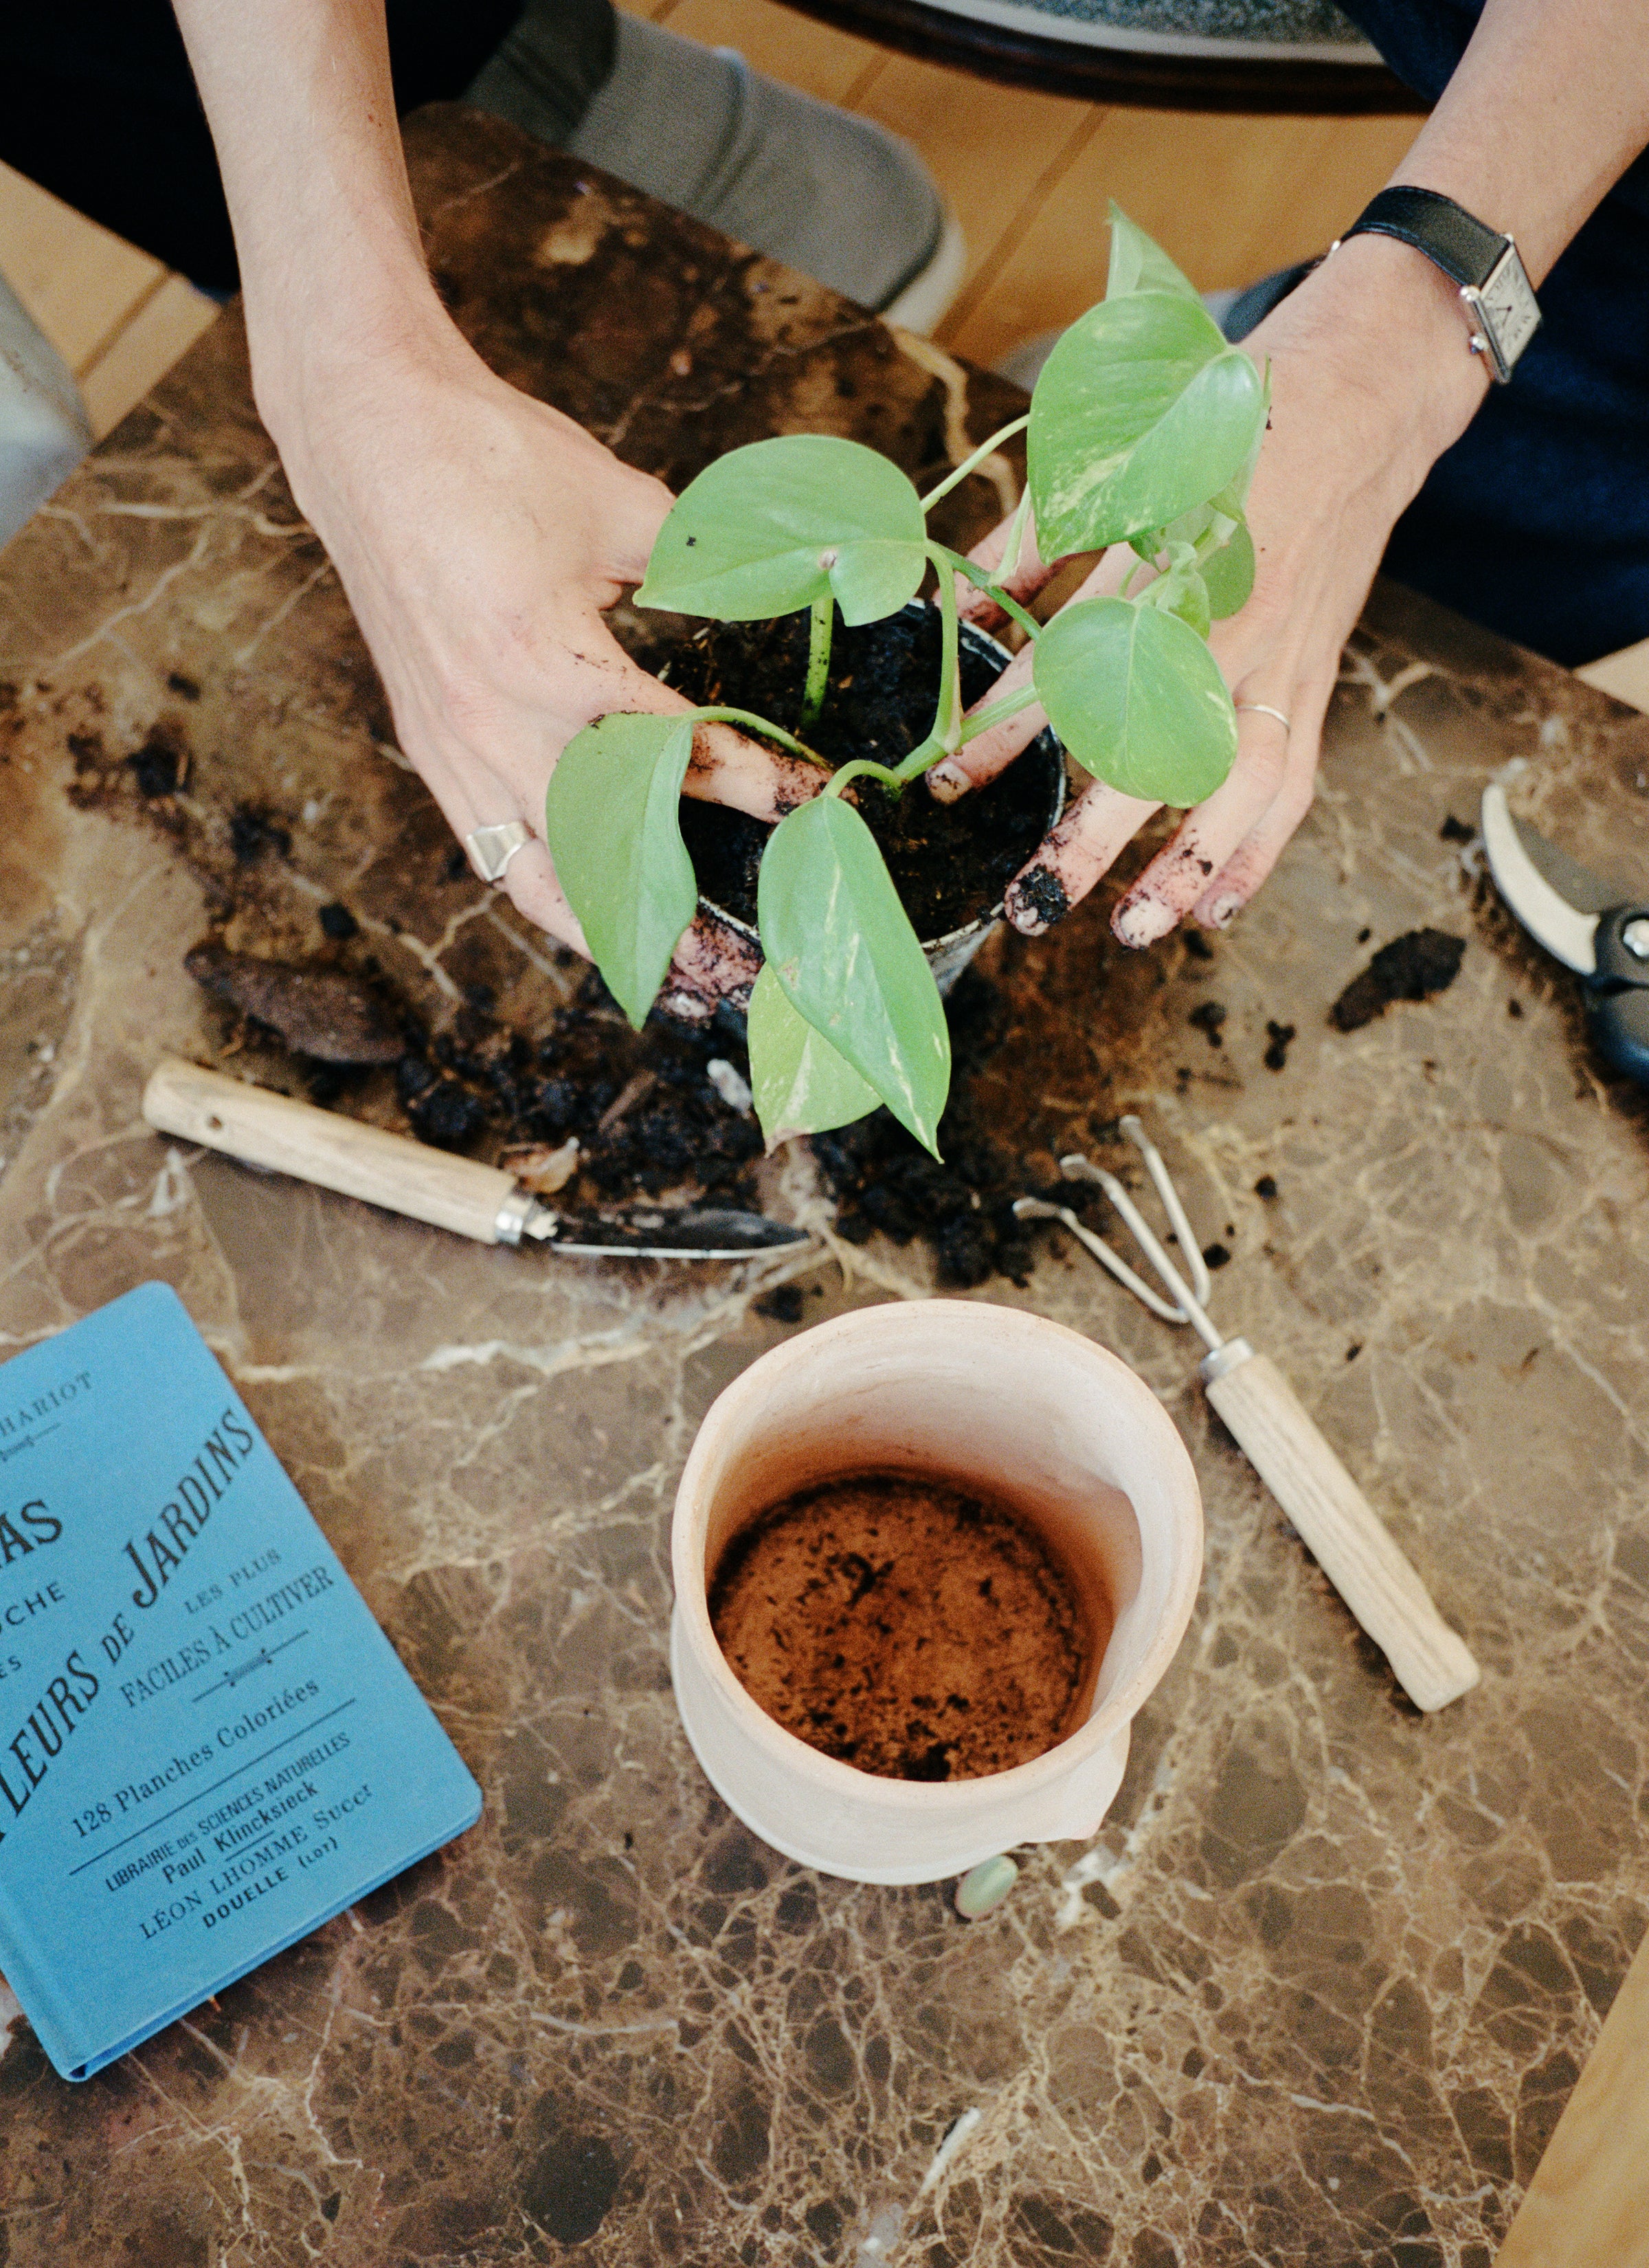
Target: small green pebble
x,y
985,1886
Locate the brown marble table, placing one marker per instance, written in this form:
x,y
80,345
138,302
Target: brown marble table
x,y
1320,1989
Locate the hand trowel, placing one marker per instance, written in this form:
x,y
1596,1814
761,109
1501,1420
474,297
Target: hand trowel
x,y
483,1202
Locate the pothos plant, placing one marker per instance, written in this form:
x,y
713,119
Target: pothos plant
x,y
1144,429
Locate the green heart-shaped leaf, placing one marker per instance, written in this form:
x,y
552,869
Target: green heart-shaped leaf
x,y
1141,412
1136,697
771,527
800,1084
1180,591
1138,264
1228,569
841,946
610,819
1229,573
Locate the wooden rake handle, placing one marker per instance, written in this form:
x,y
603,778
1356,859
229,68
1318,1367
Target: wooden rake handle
x,y
1350,1542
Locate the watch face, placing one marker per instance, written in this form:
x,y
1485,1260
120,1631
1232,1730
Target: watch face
x,y
1509,306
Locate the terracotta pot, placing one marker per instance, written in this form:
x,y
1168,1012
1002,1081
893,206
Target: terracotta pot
x,y
948,955
988,1398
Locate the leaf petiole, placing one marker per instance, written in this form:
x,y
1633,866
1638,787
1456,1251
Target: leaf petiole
x,y
997,713
863,768
970,464
1008,566
818,629
982,581
761,724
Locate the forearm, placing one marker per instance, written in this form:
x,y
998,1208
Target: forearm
x,y
299,96
1548,107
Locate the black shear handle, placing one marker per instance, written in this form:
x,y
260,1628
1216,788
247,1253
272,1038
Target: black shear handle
x,y
1617,996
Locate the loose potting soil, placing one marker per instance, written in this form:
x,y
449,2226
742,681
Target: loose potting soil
x,y
904,1626
950,863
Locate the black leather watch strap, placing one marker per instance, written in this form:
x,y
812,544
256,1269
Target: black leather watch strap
x,y
1445,233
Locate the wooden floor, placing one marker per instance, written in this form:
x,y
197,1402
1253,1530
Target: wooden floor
x,y
1029,176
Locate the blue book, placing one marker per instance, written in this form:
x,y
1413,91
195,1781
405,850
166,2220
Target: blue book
x,y
208,1746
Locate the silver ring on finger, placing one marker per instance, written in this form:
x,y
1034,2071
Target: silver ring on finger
x,y
491,848
1265,709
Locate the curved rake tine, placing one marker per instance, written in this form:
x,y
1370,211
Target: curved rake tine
x,y
1039,1209
1164,1185
1189,1308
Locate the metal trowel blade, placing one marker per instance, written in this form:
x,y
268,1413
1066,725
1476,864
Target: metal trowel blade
x,y
708,1232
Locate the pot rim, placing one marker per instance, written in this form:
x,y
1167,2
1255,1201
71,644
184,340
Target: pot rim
x,y
1055,1765
987,920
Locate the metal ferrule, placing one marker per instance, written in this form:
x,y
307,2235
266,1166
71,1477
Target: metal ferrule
x,y
511,1216
1224,1358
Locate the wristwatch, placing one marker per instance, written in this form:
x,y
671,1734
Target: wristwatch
x,y
1502,312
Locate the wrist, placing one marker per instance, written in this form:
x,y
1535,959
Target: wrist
x,y
316,355
1392,324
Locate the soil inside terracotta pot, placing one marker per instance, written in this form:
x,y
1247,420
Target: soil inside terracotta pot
x,y
905,1626
949,862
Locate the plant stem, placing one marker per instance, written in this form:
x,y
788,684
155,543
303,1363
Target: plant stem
x,y
769,731
952,480
982,581
947,715
1007,566
819,631
997,713
862,768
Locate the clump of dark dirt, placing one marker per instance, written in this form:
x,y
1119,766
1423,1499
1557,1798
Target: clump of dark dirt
x,y
647,1115
1265,1187
905,1627
1279,1038
444,1113
1208,1017
1456,830
883,1178
322,1012
251,832
783,1305
950,863
338,921
1413,967
160,765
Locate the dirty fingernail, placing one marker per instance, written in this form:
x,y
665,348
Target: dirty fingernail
x,y
1143,922
1023,915
1224,911
946,782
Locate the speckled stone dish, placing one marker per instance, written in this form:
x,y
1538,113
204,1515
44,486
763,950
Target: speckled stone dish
x,y
1280,29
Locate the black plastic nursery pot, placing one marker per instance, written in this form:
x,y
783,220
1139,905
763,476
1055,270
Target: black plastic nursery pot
x,y
950,863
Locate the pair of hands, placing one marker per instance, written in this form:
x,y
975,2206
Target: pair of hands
x,y
478,536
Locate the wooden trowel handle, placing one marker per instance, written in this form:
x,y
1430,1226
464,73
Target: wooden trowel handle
x,y
1352,1543
317,1146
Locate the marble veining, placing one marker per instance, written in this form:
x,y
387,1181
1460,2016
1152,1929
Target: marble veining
x,y
1318,1991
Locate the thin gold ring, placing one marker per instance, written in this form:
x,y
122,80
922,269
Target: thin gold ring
x,y
1265,709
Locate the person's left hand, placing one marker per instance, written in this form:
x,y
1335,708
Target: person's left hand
x,y
1370,382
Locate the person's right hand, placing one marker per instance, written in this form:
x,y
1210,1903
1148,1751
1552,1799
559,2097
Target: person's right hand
x,y
478,535
1371,381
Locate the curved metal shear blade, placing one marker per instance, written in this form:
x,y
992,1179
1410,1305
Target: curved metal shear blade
x,y
1557,900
